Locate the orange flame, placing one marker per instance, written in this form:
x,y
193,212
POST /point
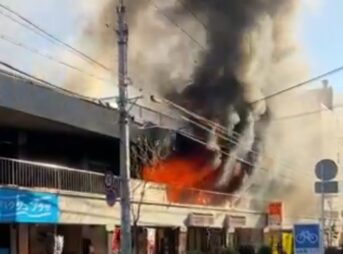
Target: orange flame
x,y
183,177
188,177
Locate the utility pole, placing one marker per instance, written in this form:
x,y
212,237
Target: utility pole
x,y
123,34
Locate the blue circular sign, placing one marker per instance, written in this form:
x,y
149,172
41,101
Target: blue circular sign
x,y
326,170
111,197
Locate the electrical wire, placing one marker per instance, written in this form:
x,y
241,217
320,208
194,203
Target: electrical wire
x,y
210,124
311,80
206,127
43,82
303,114
23,25
53,38
51,58
195,41
186,7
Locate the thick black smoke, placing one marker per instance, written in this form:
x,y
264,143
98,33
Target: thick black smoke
x,y
219,86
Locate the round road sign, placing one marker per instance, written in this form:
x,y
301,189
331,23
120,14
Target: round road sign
x,y
111,197
326,170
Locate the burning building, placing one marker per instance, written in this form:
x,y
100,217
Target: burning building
x,y
227,92
232,55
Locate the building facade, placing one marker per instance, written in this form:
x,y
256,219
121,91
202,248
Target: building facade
x,y
54,151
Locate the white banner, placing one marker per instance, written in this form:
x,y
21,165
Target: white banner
x,y
58,244
151,237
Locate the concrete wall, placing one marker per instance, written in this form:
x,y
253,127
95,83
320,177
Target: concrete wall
x,y
151,208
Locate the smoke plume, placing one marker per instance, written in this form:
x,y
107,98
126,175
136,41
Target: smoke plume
x,y
248,47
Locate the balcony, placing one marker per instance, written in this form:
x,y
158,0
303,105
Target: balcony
x,y
28,174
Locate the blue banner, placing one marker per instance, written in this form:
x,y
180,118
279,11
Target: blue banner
x,y
4,251
28,207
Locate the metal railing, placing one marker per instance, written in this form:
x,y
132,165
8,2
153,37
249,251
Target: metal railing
x,y
31,174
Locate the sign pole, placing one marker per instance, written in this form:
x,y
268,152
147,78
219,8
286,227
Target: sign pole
x,y
322,213
325,170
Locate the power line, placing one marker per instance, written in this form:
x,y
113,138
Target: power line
x,y
24,25
178,26
55,39
210,124
43,82
201,141
195,16
316,78
51,58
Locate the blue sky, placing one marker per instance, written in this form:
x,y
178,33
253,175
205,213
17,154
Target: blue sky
x,y
320,33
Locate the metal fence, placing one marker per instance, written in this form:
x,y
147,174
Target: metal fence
x,y
31,174
22,173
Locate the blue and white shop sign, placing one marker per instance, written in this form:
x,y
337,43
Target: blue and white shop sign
x,y
28,207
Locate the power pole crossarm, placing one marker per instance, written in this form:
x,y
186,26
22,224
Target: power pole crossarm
x,y
123,35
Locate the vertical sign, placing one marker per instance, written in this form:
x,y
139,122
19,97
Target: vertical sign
x,y
151,240
275,214
116,240
287,243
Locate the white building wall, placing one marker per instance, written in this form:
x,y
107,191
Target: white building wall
x,y
154,209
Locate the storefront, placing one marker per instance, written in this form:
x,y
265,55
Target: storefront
x,y
240,235
202,236
19,210
150,240
231,223
167,240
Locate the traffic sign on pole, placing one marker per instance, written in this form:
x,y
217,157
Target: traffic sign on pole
x,y
111,197
326,187
307,239
326,170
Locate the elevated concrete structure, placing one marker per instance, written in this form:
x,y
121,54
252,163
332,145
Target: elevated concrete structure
x,y
33,105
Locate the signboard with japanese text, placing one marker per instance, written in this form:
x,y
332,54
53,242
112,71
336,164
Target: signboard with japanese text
x,y
200,220
28,207
232,221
